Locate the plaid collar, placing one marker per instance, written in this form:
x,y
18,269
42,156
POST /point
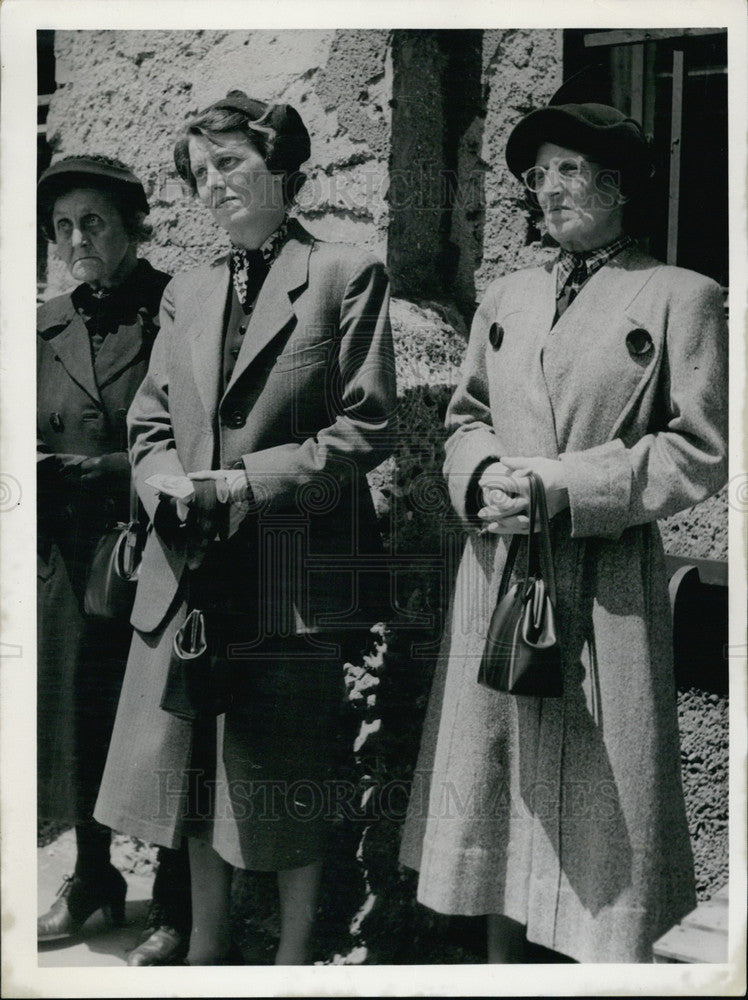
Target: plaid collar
x,y
243,262
575,269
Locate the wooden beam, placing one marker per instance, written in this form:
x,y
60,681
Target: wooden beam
x,y
676,144
650,92
637,82
630,36
713,571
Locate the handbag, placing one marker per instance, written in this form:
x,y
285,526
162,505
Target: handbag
x,y
196,682
114,568
522,655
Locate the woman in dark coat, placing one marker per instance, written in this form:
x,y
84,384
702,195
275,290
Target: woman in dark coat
x,y
268,397
93,350
605,373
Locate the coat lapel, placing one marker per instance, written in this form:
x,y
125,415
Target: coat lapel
x,y
274,306
205,332
609,292
73,347
118,351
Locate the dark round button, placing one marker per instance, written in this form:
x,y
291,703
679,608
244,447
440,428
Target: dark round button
x,y
638,342
495,335
55,420
235,419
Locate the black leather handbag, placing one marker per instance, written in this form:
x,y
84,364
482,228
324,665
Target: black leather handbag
x,y
522,654
113,572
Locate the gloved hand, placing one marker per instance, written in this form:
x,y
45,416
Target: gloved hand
x,y
230,487
107,472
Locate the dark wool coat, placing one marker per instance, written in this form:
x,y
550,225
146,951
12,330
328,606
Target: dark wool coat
x,y
306,413
81,410
568,814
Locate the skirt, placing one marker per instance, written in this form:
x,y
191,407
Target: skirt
x,y
262,778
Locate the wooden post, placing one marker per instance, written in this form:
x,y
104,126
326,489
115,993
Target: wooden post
x,y
637,82
676,129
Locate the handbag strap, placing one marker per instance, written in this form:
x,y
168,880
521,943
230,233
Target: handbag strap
x,y
542,537
511,558
539,556
133,500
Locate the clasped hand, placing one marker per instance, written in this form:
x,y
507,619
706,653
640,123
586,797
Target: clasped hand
x,y
505,492
230,487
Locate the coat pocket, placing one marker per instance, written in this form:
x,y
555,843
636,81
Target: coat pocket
x,y
301,357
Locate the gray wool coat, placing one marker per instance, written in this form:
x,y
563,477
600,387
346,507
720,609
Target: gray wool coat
x,y
306,413
568,814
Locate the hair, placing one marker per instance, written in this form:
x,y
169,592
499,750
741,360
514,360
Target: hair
x,y
636,182
277,150
132,216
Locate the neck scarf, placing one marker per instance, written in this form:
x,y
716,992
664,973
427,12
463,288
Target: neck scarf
x,y
249,268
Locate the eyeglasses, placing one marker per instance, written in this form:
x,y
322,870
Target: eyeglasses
x,y
567,171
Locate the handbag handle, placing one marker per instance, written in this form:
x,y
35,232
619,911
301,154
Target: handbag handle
x,y
543,538
538,543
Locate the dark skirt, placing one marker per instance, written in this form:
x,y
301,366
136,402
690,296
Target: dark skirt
x,y
262,779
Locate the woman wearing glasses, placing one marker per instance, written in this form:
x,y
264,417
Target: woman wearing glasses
x,y
563,819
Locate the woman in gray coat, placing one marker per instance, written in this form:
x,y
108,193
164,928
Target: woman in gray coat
x,y
563,820
268,397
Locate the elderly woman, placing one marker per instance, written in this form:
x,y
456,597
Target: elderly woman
x,y
563,819
268,397
92,353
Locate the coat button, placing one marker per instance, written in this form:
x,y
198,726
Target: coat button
x,y
638,342
55,420
495,335
235,419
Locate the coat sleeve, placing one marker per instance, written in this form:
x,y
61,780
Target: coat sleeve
x,y
684,459
472,442
363,403
150,433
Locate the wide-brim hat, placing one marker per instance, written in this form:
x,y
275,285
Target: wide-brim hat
x,y
282,121
599,131
90,172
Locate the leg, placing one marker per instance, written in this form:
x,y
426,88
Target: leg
x,y
171,888
298,889
93,842
506,940
210,878
167,927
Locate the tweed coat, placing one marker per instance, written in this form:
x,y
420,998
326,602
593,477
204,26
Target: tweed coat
x,y
568,814
306,413
81,409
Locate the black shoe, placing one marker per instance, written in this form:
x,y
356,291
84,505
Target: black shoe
x,y
163,946
79,898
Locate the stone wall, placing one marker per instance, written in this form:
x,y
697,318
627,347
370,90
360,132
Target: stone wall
x,y
128,93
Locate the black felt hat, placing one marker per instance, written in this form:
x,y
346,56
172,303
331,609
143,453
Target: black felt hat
x,y
98,172
281,120
599,131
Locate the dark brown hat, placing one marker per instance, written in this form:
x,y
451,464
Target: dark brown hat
x,y
599,131
101,172
281,120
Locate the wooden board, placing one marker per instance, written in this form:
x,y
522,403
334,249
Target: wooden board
x,y
699,937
